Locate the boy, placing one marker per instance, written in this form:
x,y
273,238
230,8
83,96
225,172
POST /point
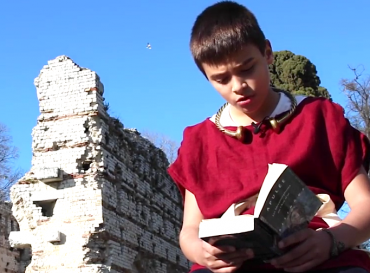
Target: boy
x,y
224,159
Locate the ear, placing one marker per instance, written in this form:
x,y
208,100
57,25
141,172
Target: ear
x,y
269,55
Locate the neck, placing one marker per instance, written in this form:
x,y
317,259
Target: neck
x,y
266,109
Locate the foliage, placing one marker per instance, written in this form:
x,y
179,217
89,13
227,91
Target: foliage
x,y
296,74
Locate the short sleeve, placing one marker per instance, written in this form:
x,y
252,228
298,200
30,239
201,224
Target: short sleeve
x,y
183,166
365,146
355,148
173,171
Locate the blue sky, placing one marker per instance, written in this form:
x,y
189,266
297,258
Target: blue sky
x,y
159,89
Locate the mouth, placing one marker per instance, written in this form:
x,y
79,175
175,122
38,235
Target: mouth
x,y
244,101
245,98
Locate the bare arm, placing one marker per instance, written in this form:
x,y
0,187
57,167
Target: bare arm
x,y
217,259
355,228
190,243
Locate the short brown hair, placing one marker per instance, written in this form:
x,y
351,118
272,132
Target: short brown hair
x,y
221,30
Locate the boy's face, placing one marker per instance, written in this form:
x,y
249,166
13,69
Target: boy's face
x,y
243,80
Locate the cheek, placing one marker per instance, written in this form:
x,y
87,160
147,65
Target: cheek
x,y
222,90
262,77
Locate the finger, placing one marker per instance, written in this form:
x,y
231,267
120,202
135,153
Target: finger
x,y
295,238
213,250
223,266
229,269
243,254
298,252
235,262
304,267
313,257
305,258
232,260
226,248
223,248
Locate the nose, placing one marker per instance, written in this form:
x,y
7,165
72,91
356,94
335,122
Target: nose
x,y
238,85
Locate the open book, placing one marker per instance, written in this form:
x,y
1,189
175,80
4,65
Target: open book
x,y
284,205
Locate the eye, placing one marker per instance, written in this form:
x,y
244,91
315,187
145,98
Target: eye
x,y
222,80
249,69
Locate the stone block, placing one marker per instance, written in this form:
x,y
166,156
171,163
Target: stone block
x,y
48,175
20,239
53,236
46,195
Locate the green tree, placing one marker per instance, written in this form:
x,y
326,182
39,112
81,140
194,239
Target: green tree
x,y
296,74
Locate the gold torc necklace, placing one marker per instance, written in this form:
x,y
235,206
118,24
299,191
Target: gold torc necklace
x,y
274,122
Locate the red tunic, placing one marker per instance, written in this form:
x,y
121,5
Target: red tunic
x,y
318,143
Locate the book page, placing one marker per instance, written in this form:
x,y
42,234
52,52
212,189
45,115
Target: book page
x,y
226,226
274,172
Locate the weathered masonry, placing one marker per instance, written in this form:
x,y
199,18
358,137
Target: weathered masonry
x,y
97,197
12,260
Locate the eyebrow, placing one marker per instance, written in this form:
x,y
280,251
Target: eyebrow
x,y
245,62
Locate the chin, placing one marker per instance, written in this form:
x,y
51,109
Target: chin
x,y
249,110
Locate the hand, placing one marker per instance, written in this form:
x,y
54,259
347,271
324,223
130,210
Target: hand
x,y
309,249
224,259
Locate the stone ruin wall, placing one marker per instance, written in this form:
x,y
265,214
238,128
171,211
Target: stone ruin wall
x,y
12,260
97,197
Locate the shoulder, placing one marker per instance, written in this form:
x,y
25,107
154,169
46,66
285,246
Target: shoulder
x,y
196,131
321,107
322,103
195,139
184,168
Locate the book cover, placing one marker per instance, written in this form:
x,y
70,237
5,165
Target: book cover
x,y
261,240
284,206
290,205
